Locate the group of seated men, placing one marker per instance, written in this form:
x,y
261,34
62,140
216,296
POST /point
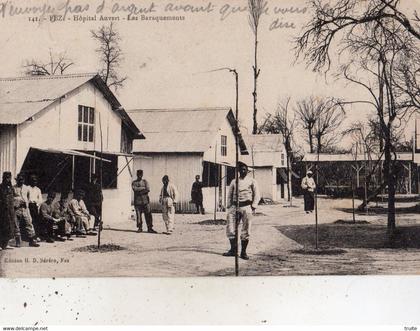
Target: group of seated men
x,y
48,220
62,219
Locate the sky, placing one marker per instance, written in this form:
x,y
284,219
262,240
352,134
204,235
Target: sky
x,y
167,63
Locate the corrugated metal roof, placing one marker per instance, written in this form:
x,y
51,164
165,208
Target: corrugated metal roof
x,y
178,130
21,98
265,150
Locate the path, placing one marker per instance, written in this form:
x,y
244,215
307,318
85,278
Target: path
x,y
196,250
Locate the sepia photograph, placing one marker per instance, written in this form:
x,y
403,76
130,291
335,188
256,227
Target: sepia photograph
x,y
209,138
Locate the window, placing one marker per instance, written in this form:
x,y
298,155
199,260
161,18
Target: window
x,y
86,121
224,146
282,159
126,140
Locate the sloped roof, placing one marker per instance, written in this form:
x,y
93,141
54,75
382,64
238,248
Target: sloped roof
x,y
23,97
180,130
264,150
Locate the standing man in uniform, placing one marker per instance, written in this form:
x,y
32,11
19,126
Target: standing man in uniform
x,y
197,195
249,197
7,211
35,201
23,217
308,187
168,199
94,198
141,190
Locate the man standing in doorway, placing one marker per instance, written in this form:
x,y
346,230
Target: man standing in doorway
x,y
197,195
249,197
308,187
23,217
168,200
35,201
94,200
141,190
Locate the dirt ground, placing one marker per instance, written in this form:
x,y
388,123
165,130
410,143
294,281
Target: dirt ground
x,y
282,243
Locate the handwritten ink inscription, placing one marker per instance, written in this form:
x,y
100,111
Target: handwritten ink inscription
x,y
278,17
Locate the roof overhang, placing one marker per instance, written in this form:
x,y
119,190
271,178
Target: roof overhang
x,y
70,152
98,82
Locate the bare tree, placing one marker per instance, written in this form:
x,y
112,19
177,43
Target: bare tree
x,y
329,22
320,118
57,64
377,50
284,124
379,38
111,55
307,111
256,9
330,117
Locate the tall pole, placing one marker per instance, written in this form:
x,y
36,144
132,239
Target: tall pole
x,y
352,183
73,164
316,197
100,181
236,163
216,184
365,179
236,172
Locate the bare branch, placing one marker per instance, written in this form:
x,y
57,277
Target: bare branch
x,y
57,64
110,55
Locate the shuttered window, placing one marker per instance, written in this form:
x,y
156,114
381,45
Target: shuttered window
x,y
86,123
224,146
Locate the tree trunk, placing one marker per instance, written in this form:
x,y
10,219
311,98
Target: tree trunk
x,y
318,145
311,140
390,179
362,206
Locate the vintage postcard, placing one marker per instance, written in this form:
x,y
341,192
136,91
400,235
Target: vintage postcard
x,y
209,138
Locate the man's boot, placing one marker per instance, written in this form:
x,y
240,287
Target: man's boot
x,y
18,241
33,242
244,244
233,248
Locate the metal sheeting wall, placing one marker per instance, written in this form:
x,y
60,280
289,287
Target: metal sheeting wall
x,y
181,169
8,149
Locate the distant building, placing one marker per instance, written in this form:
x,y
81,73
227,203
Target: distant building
x,y
56,127
268,160
183,143
357,166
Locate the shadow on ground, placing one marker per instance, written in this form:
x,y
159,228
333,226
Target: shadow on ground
x,y
218,221
383,210
354,236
